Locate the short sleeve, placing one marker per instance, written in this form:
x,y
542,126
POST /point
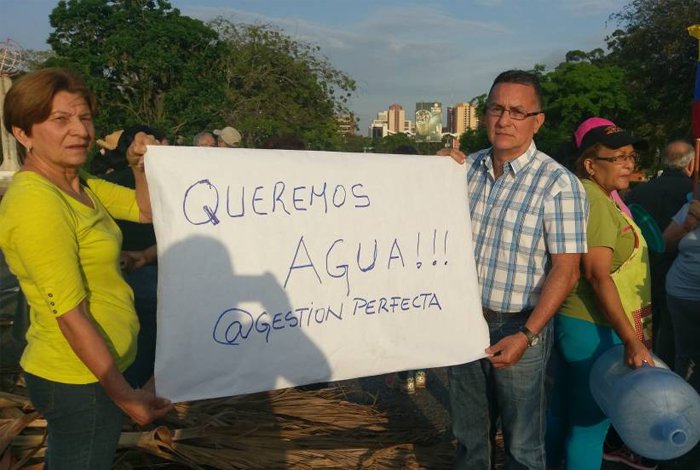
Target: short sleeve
x,y
565,215
681,215
602,227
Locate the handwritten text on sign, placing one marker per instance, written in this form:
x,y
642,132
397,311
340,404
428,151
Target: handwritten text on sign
x,y
281,268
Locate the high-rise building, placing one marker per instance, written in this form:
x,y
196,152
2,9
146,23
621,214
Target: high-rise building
x,y
450,118
396,119
379,127
464,117
391,121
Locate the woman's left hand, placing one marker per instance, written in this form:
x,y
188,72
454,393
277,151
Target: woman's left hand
x,y
637,355
137,149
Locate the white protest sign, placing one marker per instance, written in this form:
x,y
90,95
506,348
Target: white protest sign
x,y
282,268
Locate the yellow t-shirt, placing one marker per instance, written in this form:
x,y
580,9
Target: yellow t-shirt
x,y
63,252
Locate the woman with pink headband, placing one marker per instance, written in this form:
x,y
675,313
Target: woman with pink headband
x,y
597,314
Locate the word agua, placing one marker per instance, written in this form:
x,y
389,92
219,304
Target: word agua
x,y
202,202
360,263
235,325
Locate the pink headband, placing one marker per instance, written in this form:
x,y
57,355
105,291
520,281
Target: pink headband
x,y
587,125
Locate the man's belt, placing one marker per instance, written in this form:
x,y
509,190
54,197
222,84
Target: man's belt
x,y
492,315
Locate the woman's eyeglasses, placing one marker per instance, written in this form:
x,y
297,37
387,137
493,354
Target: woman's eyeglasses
x,y
620,159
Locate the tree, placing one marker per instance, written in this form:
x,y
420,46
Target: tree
x,y
474,139
36,59
278,86
658,56
355,143
578,89
389,143
145,62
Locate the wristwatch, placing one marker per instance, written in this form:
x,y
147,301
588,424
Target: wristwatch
x,y
532,338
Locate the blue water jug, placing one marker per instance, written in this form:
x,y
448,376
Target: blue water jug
x,y
655,411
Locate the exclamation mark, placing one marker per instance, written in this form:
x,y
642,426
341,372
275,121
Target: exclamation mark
x,y
434,240
445,245
418,262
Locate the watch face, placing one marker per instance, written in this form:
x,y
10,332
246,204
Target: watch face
x,y
534,341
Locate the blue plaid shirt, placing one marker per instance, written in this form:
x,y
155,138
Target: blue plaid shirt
x,y
536,208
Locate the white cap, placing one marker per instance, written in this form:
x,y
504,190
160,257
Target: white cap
x,y
229,135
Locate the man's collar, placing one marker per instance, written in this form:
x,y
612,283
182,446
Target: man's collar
x,y
516,164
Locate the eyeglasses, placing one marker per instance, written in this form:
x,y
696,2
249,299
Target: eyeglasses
x,y
620,159
496,110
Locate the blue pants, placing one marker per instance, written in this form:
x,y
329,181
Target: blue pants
x,y
576,426
480,394
83,424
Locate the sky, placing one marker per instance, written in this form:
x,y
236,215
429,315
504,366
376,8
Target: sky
x,y
397,51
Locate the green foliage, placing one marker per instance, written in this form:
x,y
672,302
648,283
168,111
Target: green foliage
x,y
148,64
389,143
659,57
473,140
36,59
145,62
578,89
277,86
355,143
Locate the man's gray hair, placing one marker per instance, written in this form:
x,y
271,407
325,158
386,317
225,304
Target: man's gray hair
x,y
678,154
200,136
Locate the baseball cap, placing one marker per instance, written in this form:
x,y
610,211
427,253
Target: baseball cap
x,y
229,135
598,130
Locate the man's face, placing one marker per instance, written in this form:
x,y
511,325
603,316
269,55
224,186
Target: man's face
x,y
207,140
509,137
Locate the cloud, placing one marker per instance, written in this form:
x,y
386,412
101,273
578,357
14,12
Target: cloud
x,y
592,7
412,53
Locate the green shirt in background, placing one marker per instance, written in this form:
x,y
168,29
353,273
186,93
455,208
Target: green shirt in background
x,y
606,227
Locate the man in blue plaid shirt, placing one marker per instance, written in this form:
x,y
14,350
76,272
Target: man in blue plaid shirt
x,y
529,229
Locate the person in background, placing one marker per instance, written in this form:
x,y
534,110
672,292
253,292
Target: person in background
x,y
662,197
592,318
139,251
529,230
228,137
683,300
204,139
683,289
60,240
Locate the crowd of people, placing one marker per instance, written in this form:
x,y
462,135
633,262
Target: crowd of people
x,y
228,137
561,264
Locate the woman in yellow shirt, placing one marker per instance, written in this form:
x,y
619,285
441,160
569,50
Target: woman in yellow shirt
x,y
60,240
